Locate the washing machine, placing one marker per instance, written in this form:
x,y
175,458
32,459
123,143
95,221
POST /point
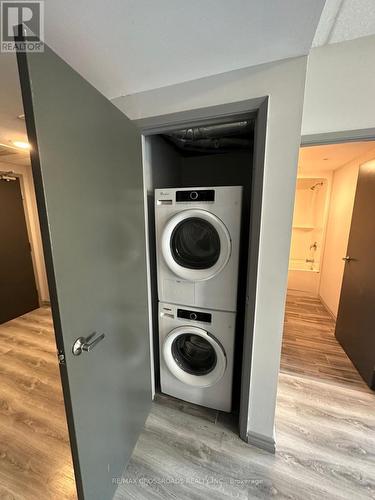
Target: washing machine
x,y
196,354
197,245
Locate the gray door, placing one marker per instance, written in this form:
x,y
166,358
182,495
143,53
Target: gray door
x,y
86,161
18,293
356,314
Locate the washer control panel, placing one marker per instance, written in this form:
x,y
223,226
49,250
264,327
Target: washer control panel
x,y
194,315
195,195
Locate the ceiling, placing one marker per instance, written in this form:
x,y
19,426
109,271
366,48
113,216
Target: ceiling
x,y
10,157
332,156
126,46
345,20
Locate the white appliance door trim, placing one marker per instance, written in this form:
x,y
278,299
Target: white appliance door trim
x,y
207,380
196,274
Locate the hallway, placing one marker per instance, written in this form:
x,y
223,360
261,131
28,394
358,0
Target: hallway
x,y
310,347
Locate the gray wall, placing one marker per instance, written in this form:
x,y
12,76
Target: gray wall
x,y
284,83
340,86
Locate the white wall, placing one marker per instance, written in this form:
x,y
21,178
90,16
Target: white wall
x,y
340,86
338,227
340,214
283,82
32,220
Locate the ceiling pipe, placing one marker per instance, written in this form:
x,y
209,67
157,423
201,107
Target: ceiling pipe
x,y
222,137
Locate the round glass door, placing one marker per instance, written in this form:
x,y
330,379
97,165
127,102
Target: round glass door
x,y
194,356
195,245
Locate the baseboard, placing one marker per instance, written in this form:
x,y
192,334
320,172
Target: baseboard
x,y
327,308
264,442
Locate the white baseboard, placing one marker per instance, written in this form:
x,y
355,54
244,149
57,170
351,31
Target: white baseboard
x,y
327,308
264,442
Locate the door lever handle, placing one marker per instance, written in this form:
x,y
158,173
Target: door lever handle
x,y
347,258
84,344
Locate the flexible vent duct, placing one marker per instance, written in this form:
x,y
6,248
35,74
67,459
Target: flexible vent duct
x,y
211,138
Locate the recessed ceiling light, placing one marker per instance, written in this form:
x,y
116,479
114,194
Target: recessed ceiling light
x,y
21,144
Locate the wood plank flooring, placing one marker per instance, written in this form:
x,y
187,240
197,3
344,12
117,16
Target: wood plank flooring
x,y
35,459
325,450
325,433
310,347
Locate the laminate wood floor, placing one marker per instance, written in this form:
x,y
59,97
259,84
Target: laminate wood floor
x,y
309,344
325,432
35,459
325,450
325,437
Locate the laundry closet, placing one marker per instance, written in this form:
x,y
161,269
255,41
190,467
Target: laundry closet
x,y
198,184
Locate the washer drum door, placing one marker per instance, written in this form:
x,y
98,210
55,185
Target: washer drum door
x,y
194,356
195,245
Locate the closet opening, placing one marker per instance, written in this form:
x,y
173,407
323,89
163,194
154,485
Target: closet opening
x,y
208,163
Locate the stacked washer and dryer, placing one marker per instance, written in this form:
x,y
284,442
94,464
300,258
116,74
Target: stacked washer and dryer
x,y
198,246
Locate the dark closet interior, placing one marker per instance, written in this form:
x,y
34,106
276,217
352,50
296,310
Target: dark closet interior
x,y
203,156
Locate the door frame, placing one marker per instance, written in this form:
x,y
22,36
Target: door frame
x,y
154,125
338,137
327,138
360,135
